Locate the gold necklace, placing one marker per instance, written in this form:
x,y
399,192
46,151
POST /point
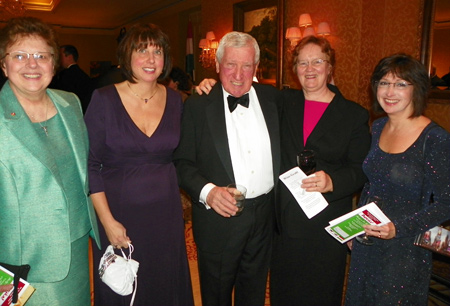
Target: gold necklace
x,y
44,127
143,99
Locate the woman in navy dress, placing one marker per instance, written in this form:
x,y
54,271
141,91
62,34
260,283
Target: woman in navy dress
x,y
408,168
134,127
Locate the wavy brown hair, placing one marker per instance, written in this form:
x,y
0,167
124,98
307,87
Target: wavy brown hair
x,y
140,36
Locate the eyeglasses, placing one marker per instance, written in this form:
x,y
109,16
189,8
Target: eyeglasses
x,y
315,63
22,57
397,85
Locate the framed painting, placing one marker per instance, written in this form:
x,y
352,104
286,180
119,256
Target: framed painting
x,y
431,47
262,19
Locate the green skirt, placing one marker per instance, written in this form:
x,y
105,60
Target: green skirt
x,y
74,290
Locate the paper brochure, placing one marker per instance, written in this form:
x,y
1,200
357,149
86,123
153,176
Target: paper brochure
x,y
24,288
311,203
351,225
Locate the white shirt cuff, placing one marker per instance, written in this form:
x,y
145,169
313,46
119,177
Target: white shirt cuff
x,y
204,194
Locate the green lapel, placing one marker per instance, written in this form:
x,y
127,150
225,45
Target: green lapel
x,y
18,123
75,129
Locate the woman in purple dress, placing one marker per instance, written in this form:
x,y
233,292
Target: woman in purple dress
x,y
134,126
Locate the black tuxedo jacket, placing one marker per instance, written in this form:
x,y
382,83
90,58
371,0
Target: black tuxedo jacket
x,y
74,79
203,156
341,140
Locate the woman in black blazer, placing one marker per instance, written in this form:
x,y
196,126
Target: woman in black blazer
x,y
308,265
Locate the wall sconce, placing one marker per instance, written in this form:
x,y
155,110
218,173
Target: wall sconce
x,y
209,46
309,32
323,29
304,20
294,33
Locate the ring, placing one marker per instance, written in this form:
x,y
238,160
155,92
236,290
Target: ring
x,y
379,235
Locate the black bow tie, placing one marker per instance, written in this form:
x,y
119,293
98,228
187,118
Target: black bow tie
x,y
233,102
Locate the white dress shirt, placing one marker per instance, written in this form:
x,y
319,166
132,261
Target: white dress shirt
x,y
250,150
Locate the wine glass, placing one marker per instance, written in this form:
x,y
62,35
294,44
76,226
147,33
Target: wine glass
x,y
238,192
306,161
364,239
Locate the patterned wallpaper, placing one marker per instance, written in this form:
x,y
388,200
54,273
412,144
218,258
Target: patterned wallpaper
x,y
440,113
363,32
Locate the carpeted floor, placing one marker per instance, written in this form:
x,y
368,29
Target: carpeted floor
x,y
192,257
441,268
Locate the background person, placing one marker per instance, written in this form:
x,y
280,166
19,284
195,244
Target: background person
x,y
134,127
308,265
222,144
72,78
181,82
45,214
407,166
114,75
435,80
446,79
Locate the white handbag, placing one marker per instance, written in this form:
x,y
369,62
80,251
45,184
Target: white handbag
x,y
119,273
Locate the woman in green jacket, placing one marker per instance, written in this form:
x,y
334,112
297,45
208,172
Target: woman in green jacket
x,y
46,216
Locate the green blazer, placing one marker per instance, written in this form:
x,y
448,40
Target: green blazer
x,y
31,233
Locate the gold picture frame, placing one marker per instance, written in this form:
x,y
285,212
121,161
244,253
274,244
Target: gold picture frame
x,y
264,21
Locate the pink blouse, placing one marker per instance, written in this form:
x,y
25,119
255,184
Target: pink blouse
x,y
313,112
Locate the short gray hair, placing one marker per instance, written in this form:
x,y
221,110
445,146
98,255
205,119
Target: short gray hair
x,y
237,40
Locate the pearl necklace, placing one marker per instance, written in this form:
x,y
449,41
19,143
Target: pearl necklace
x,y
143,99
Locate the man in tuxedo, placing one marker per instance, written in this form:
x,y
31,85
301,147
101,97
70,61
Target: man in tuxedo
x,y
232,136
72,78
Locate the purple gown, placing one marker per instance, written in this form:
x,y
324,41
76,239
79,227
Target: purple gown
x,y
137,174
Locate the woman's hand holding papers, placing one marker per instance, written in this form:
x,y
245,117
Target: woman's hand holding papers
x,y
319,181
386,231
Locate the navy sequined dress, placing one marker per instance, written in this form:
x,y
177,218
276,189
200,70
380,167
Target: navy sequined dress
x,y
395,271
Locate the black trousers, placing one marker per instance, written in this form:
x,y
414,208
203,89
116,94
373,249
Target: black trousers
x,y
244,262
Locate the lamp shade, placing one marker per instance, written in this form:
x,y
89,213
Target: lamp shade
x,y
203,43
214,44
210,35
309,31
304,20
323,28
293,33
